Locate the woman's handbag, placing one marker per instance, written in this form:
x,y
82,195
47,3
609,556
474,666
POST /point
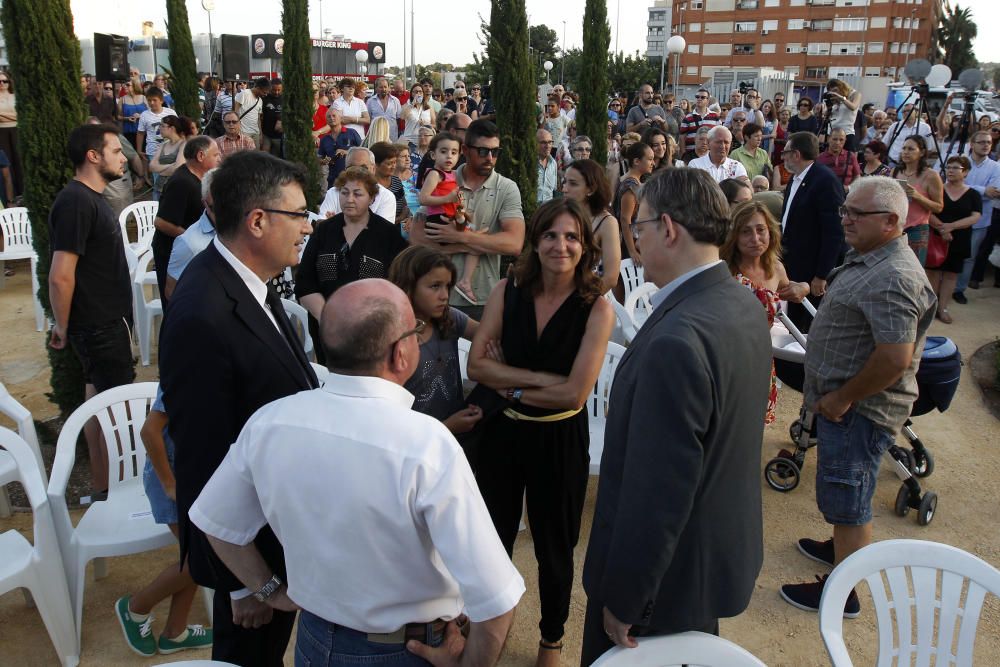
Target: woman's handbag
x,y
937,250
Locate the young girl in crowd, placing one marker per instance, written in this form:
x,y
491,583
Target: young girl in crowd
x,y
427,276
440,195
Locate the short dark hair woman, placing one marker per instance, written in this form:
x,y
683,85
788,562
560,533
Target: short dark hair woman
x,y
586,182
541,344
962,208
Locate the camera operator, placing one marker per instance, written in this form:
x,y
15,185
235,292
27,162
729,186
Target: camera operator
x,y
954,131
903,129
841,103
750,106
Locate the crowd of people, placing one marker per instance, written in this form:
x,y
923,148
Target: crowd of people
x,y
383,500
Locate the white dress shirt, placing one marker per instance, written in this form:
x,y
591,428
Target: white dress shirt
x,y
383,205
905,132
253,282
668,289
380,517
729,168
796,182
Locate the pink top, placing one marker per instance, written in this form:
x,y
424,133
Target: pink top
x,y
917,215
447,185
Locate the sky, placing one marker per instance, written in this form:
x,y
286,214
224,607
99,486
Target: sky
x,y
441,36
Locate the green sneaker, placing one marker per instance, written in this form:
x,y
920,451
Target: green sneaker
x,y
138,634
197,637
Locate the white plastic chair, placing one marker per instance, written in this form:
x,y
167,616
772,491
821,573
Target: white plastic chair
x,y
300,322
145,217
597,404
912,569
26,429
322,372
123,524
16,229
631,276
464,347
638,304
145,310
626,324
38,567
686,648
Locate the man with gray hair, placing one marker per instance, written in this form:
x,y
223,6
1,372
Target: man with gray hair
x,y
352,458
384,203
386,105
677,540
717,162
860,371
700,145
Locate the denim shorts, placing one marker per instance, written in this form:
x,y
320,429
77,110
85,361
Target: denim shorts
x,y
164,509
848,456
324,644
105,353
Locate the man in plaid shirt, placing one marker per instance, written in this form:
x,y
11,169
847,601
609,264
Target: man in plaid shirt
x,y
700,117
860,371
233,140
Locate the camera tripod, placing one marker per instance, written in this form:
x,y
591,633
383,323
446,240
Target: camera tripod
x,y
920,108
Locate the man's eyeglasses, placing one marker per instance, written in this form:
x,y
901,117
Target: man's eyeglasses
x,y
546,143
482,151
583,149
635,226
417,330
231,122
304,215
853,215
109,89
701,97
805,106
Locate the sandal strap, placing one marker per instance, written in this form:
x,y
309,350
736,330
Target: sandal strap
x,y
551,646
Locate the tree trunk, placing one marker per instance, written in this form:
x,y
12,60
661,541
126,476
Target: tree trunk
x,y
296,115
49,105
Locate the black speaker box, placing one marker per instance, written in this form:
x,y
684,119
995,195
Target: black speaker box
x,y
235,57
110,57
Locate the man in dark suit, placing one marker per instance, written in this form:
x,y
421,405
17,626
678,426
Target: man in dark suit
x,y
227,349
812,237
677,540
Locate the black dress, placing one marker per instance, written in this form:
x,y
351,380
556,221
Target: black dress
x,y
960,247
549,460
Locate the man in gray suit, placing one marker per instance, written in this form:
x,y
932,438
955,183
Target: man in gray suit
x,y
677,541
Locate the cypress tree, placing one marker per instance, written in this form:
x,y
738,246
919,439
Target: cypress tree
x,y
45,62
592,114
296,115
184,72
513,91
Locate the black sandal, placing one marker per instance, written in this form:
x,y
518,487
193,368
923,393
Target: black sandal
x,y
550,646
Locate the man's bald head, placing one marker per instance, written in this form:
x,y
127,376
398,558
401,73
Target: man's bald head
x,y
359,326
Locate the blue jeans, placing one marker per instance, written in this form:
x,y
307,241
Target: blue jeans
x,y
324,644
977,240
848,456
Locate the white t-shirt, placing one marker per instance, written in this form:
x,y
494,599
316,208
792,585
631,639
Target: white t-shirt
x,y
352,481
383,205
729,168
149,123
250,122
353,108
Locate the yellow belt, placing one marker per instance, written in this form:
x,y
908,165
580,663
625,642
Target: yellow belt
x,y
510,413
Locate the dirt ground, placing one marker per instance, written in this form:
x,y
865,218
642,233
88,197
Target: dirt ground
x,y
965,442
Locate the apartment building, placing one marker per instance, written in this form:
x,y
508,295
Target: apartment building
x,y
810,40
658,27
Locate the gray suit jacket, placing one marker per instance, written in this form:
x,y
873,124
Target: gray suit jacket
x,y
677,535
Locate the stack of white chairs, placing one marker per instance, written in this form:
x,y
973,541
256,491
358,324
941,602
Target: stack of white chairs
x,y
16,229
639,305
145,217
38,567
26,429
123,524
597,404
145,311
631,275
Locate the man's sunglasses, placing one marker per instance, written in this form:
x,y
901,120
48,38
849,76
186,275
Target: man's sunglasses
x,y
482,151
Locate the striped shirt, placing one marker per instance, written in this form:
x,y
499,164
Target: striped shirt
x,y
691,123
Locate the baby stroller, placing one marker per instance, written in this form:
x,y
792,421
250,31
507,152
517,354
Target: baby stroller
x,y
937,382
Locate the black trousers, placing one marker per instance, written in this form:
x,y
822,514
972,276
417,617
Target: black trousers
x,y
985,248
255,647
550,462
596,642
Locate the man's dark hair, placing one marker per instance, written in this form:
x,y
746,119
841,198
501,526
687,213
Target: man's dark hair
x,y
481,129
358,344
750,128
692,199
449,91
87,138
262,83
806,143
276,81
426,81
249,180
153,91
196,145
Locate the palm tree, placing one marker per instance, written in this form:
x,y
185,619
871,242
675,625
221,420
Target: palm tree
x,y
955,36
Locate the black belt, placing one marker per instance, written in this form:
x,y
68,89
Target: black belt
x,y
418,631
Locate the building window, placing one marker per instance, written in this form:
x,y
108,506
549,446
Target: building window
x,y
843,72
872,71
848,48
770,25
792,71
693,70
822,24
852,3
816,73
821,3
694,48
818,48
695,27
746,4
876,47
878,21
772,3
893,47
796,24
849,25
767,48
746,26
743,49
793,48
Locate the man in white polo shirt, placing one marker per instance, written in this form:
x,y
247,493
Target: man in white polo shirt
x,y
387,539
717,162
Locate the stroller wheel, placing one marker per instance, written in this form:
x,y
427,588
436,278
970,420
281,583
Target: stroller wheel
x,y
903,501
923,463
795,431
928,505
781,474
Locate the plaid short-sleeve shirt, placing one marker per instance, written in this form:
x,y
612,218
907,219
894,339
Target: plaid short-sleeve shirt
x,y
879,297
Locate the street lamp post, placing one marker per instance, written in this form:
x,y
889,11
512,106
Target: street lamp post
x,y
562,61
362,57
547,66
675,45
208,6
909,36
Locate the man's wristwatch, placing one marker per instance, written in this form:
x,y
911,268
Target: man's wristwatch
x,y
268,589
515,395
